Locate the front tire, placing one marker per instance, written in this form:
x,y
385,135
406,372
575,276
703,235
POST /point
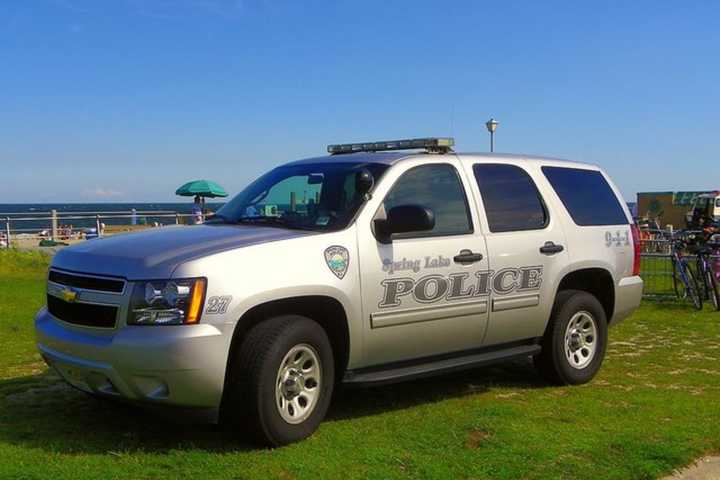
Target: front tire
x,y
574,344
280,381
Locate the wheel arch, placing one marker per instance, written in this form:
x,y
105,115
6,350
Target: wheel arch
x,y
326,310
597,281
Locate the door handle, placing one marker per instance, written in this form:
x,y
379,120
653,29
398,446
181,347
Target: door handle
x,y
550,248
467,256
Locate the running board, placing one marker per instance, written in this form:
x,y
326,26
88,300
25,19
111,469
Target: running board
x,y
375,376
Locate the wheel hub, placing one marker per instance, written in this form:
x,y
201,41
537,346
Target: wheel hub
x,y
293,384
576,340
298,383
581,340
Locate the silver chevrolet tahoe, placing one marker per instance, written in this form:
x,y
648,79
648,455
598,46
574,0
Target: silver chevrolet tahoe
x,y
380,262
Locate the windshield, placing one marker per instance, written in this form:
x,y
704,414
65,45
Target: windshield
x,y
319,196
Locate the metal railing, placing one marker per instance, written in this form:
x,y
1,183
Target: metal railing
x,y
655,241
656,262
656,265
61,227
657,274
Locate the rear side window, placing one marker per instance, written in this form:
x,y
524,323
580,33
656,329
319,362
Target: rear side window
x,y
511,199
586,195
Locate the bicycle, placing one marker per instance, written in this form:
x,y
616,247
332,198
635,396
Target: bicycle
x,y
684,281
710,289
706,268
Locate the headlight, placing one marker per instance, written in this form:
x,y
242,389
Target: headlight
x,y
167,302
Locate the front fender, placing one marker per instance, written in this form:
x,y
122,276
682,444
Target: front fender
x,y
279,270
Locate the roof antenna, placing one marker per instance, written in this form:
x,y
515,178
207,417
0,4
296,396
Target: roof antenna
x,y
452,120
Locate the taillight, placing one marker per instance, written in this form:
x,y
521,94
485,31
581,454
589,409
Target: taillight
x,y
636,248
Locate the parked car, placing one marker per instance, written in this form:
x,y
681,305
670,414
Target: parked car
x,y
380,262
705,211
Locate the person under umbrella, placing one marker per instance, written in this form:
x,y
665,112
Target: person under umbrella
x,y
200,189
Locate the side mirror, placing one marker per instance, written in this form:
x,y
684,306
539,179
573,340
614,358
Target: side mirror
x,y
364,181
405,219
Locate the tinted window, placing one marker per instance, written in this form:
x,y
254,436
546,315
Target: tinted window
x,y
437,187
511,200
586,196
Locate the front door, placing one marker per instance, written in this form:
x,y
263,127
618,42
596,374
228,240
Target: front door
x,y
422,292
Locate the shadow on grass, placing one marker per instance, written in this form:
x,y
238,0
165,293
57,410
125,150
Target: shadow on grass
x,y
351,402
41,411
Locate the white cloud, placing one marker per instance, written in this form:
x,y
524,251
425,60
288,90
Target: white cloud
x,y
100,192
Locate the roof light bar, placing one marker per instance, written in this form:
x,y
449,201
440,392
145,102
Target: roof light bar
x,y
432,144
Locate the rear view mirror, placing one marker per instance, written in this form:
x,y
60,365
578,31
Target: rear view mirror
x,y
404,219
315,179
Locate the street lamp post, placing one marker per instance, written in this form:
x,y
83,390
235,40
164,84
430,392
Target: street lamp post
x,y
492,125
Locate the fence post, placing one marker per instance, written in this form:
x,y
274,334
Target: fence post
x,y
97,226
7,231
177,218
54,227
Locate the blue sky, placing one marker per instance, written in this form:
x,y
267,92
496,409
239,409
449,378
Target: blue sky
x,y
125,100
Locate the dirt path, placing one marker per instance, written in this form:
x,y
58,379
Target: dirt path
x,y
707,468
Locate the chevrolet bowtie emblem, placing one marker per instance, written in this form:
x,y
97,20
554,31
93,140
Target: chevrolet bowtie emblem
x,y
69,295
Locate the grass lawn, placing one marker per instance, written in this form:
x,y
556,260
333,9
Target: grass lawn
x,y
654,406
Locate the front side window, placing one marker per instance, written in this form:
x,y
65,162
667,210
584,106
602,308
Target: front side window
x,y
319,197
717,203
511,199
438,188
587,196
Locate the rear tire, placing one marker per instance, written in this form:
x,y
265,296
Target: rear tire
x,y
693,294
574,344
713,289
280,381
691,291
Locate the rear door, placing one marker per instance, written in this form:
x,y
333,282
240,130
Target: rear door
x,y
526,247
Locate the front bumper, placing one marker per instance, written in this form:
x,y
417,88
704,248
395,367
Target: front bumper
x,y
181,365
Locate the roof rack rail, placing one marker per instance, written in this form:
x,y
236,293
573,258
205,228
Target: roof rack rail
x,y
431,144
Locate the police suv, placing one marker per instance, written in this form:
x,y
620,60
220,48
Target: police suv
x,y
380,262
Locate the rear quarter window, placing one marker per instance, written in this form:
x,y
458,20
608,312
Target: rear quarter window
x,y
586,195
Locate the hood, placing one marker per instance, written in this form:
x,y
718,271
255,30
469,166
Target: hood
x,y
155,253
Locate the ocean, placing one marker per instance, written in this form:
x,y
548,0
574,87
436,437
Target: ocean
x,y
34,211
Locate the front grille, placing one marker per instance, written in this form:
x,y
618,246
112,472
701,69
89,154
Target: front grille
x,y
85,314
87,283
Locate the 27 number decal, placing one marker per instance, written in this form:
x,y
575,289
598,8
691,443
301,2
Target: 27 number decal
x,y
218,305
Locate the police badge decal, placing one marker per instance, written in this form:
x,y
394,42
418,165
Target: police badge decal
x,y
337,259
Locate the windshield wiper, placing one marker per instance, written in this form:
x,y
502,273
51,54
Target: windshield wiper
x,y
217,218
272,222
